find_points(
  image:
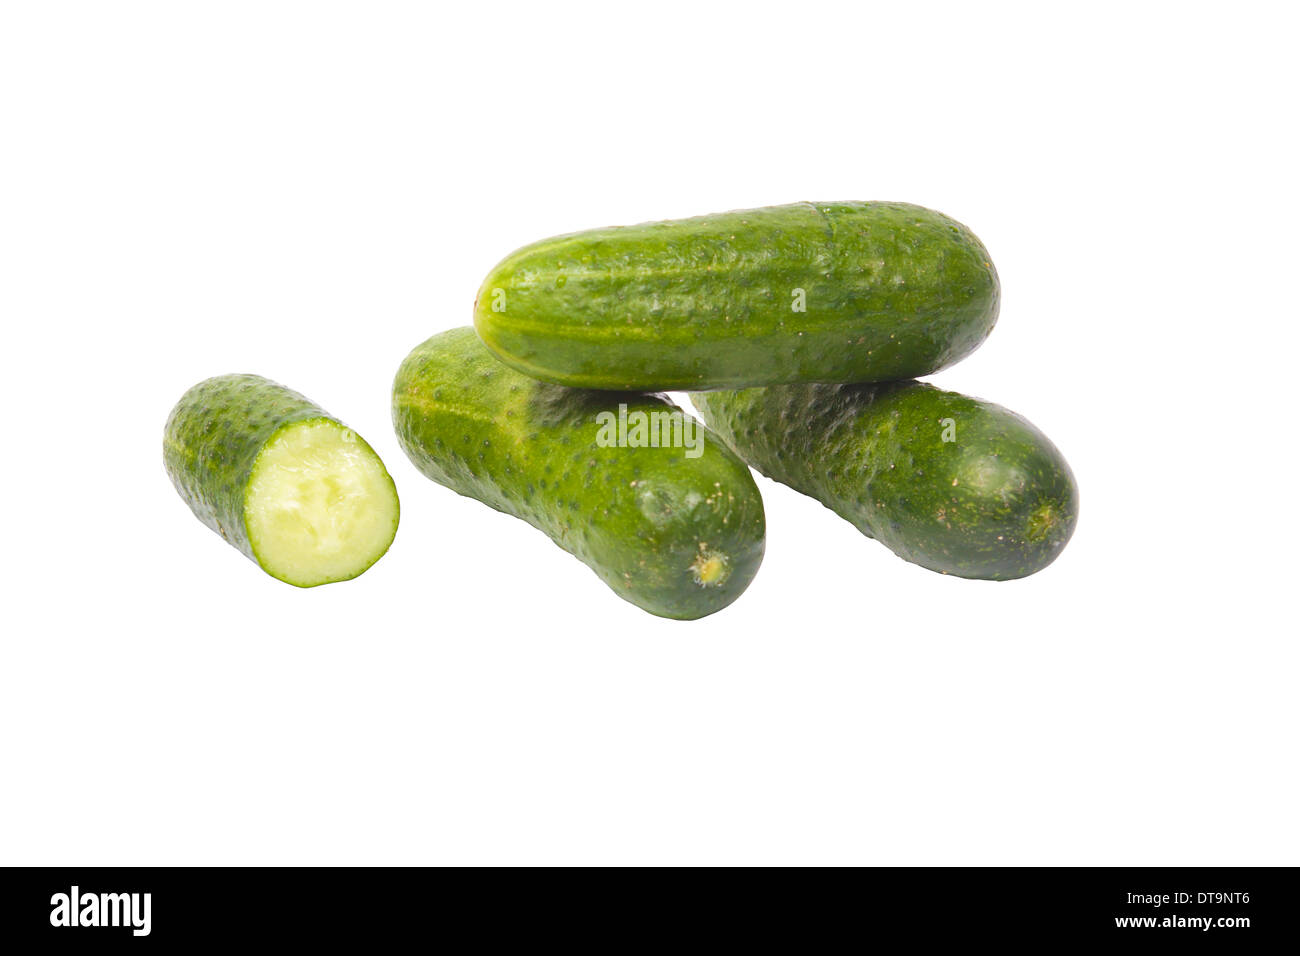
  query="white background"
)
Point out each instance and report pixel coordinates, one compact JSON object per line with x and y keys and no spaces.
{"x":307,"y":191}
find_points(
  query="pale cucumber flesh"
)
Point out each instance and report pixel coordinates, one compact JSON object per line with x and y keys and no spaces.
{"x":319,"y":506}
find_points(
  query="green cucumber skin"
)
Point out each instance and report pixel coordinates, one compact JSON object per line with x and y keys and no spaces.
{"x":639,"y":517}
{"x":998,"y":502}
{"x":891,"y":291}
{"x":213,"y":437}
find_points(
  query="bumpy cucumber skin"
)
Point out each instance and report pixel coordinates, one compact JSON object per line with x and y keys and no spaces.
{"x":641,"y":518}
{"x":890,"y":290}
{"x":212,"y":439}
{"x":998,"y":502}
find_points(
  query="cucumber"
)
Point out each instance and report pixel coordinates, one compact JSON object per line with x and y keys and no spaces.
{"x":677,"y":531}
{"x":952,"y":483}
{"x":284,"y":482}
{"x":811,"y":292}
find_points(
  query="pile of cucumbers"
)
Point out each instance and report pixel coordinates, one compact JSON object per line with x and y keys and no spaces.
{"x":798,"y":330}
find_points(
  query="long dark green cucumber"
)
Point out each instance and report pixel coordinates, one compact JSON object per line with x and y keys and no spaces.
{"x":811,"y":292}
{"x":280,"y":479}
{"x":678,"y":531}
{"x":952,"y":483}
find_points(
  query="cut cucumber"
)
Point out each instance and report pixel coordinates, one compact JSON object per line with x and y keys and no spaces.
{"x":319,"y":506}
{"x":292,"y":488}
